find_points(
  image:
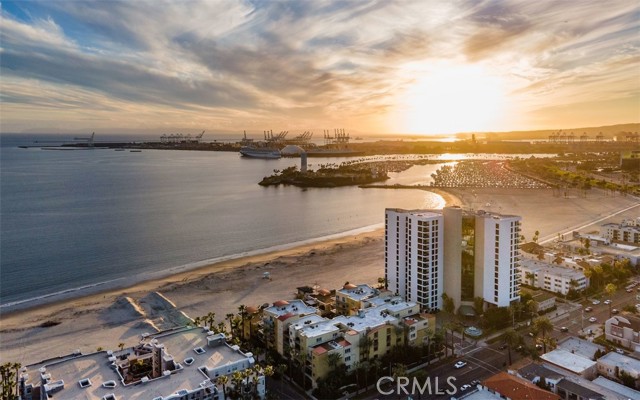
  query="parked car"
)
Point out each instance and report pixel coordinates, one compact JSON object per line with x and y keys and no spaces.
{"x":595,"y":302}
{"x":502,"y":346}
{"x":619,"y":351}
{"x":539,"y":346}
{"x":607,"y":302}
{"x":592,"y":319}
{"x":564,"y":329}
{"x":460,"y":364}
{"x":615,"y":311}
{"x":588,"y":309}
{"x":629,"y":290}
{"x":464,"y":387}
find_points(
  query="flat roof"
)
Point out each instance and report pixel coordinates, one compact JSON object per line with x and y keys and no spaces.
{"x":97,"y":368}
{"x":581,"y":347}
{"x":540,"y":266}
{"x":625,"y":363}
{"x":622,"y":390}
{"x":292,"y":307}
{"x":569,"y":361}
{"x":534,"y":370}
{"x":360,"y":292}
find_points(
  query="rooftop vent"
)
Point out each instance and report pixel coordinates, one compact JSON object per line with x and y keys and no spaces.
{"x":199,"y":350}
{"x":84,"y":383}
{"x":109,"y":384}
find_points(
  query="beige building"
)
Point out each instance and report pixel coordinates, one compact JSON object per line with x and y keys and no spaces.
{"x":624,"y":330}
{"x":351,"y":298}
{"x":278,"y":318}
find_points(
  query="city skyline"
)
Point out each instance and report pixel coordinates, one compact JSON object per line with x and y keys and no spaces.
{"x":380,"y":67}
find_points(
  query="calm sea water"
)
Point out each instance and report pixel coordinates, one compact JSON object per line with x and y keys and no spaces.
{"x":73,"y":219}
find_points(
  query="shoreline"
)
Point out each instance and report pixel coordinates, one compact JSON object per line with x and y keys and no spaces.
{"x":216,"y":264}
{"x":120,"y":315}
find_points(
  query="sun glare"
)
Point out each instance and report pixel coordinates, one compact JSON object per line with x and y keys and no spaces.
{"x":451,"y":99}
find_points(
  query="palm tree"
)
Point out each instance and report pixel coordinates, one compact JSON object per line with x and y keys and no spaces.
{"x":543,"y":325}
{"x":229,"y":318}
{"x":530,"y":276}
{"x":222,"y":381}
{"x":121,"y":346}
{"x":610,"y":289}
{"x":242,"y":309}
{"x":237,"y":378}
{"x":429,"y":333}
{"x":333,"y":359}
{"x":511,"y":338}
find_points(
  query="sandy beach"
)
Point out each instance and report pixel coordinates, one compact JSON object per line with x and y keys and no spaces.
{"x":120,"y":316}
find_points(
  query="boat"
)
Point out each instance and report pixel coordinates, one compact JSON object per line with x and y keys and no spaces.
{"x":260,"y":152}
{"x":135,"y":151}
{"x":119,"y":149}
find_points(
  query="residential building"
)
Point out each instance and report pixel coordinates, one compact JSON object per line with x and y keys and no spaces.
{"x":514,"y":388}
{"x":278,"y":317}
{"x":611,"y":365}
{"x":413,"y":256}
{"x":463,"y":254}
{"x":626,"y":232}
{"x":622,"y":392}
{"x":535,"y":373}
{"x":180,"y":364}
{"x":351,"y":298}
{"x":570,"y":390}
{"x":552,"y":278}
{"x":581,"y":347}
{"x":623,"y":330}
{"x":572,"y":363}
{"x":543,"y":301}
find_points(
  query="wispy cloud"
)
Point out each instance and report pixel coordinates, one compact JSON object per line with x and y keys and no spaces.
{"x":243,"y":64}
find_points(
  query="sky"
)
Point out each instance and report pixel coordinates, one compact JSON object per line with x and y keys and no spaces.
{"x":414,"y":66}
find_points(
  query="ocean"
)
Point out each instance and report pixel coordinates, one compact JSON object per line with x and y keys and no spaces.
{"x":82,"y":220}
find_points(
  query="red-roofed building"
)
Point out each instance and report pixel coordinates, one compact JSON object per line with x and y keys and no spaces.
{"x":514,"y":388}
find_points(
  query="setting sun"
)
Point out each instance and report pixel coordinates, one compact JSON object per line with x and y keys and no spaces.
{"x":453,"y":98}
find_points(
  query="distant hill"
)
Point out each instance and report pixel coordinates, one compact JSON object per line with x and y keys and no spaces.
{"x":608,"y":131}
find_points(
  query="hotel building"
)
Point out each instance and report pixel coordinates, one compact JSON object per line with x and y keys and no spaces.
{"x":460,"y":253}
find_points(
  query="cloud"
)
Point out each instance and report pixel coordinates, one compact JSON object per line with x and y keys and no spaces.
{"x":310,"y":61}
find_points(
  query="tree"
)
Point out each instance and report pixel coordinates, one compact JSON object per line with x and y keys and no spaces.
{"x":382,"y":283}
{"x":511,"y":338}
{"x":333,"y":359}
{"x":543,"y":326}
{"x":536,"y":236}
{"x":530,"y":275}
{"x":587,"y":245}
{"x":222,"y":381}
{"x":478,"y":305}
{"x":121,"y":346}
{"x":447,"y":304}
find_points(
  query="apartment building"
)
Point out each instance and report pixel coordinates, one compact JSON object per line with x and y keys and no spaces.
{"x":351,"y":298}
{"x":611,"y":365}
{"x":463,"y":254}
{"x":623,"y":330}
{"x":627,"y":232}
{"x":179,"y":364}
{"x":278,"y":318}
{"x":550,"y":277}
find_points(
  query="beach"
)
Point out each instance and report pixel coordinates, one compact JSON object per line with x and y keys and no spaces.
{"x":106,"y":319}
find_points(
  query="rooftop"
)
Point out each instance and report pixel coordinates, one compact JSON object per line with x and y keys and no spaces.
{"x":534,"y":370}
{"x":625,"y":363}
{"x":580,"y":347}
{"x":96,"y":369}
{"x":543,"y":267}
{"x":359,"y":292}
{"x":516,"y":388}
{"x":292,"y":307}
{"x":624,"y":391}
{"x":625,"y":321}
{"x":580,"y":390}
{"x":567,"y":360}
